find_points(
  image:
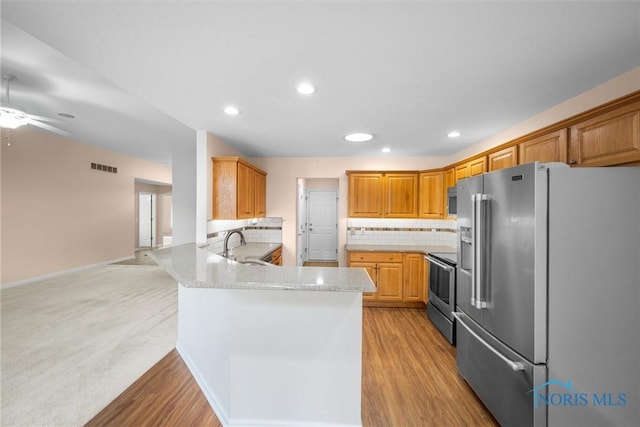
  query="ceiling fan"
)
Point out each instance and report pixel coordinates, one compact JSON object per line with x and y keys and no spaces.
{"x":12,"y":117}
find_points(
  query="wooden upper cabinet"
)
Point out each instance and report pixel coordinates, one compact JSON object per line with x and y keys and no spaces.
{"x":365,"y":195}
{"x":383,"y":194}
{"x":246,"y":190}
{"x":611,"y":138}
{"x":449,"y":178}
{"x":503,"y":159}
{"x":260,"y":200}
{"x":400,"y":195}
{"x":478,"y":166}
{"x":546,"y":148}
{"x":239,"y":189}
{"x":432,"y":191}
{"x":472,"y":168}
{"x":462,"y":172}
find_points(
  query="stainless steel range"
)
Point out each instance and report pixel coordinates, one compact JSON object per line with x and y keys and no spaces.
{"x":442,"y":292}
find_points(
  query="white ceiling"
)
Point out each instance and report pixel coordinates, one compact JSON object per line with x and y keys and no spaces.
{"x":142,"y":76}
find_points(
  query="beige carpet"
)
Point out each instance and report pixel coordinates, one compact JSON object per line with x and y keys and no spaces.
{"x":70,"y":345}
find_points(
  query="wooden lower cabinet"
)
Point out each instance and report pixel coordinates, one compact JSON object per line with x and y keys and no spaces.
{"x":389,"y":281}
{"x":413,"y":285}
{"x":276,"y":257}
{"x":398,"y":277}
{"x":425,"y":280}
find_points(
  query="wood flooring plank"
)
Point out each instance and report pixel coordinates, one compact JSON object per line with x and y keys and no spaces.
{"x":409,"y":378}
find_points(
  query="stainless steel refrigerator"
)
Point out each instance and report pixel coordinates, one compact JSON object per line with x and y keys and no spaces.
{"x":548,"y":301}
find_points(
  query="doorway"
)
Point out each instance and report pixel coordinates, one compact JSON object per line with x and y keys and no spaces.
{"x":322,"y":217}
{"x":317,"y":220}
{"x":146,"y":219}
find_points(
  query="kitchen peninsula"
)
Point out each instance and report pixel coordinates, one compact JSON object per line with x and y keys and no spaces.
{"x":270,"y":345}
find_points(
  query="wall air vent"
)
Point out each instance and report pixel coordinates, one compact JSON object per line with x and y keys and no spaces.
{"x":104,"y":168}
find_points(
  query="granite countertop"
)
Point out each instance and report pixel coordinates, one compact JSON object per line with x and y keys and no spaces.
{"x":425,"y":249}
{"x":196,"y":267}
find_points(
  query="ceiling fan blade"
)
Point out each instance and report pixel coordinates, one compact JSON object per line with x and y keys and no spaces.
{"x":49,"y":128}
{"x":45,"y":119}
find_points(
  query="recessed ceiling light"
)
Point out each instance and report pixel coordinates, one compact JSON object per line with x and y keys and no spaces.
{"x":453,"y":134}
{"x":386,"y":150}
{"x":231,"y":110}
{"x":306,"y":88}
{"x":358,"y":137}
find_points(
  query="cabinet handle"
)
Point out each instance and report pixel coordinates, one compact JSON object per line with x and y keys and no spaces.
{"x":573,"y":162}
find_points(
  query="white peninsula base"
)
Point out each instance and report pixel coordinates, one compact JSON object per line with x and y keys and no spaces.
{"x":274,"y":357}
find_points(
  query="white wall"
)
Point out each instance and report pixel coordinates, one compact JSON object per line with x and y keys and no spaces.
{"x":613,"y":89}
{"x":283,"y":172}
{"x":185,"y":184}
{"x":59,"y":214}
{"x":282,"y":175}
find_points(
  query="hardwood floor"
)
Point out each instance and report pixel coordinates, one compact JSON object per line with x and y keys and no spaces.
{"x":166,"y":395}
{"x":409,"y":379}
{"x":320,"y":264}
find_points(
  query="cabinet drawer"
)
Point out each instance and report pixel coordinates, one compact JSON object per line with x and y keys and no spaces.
{"x":375,"y":256}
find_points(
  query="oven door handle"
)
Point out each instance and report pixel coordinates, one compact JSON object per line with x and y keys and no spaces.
{"x":440,"y":264}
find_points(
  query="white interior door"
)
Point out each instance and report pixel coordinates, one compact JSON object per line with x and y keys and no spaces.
{"x":146,"y":220}
{"x":323,"y":225}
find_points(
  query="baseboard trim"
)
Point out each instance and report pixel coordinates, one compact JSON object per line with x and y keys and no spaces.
{"x":62,"y":273}
{"x":208,"y":393}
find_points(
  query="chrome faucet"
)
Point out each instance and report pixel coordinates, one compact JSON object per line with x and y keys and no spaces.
{"x":225,"y":251}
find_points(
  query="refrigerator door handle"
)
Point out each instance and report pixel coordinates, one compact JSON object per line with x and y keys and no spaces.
{"x":474,"y":252}
{"x":479,"y":202}
{"x":516,"y":366}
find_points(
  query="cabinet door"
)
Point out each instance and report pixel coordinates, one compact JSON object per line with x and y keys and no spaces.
{"x":546,"y":148}
{"x":609,"y":139}
{"x":401,"y":195}
{"x":224,"y":184}
{"x":260,"y":184}
{"x":432,"y":194}
{"x":478,"y":166}
{"x":462,"y":172}
{"x":449,"y":178}
{"x":365,"y":195}
{"x":413,"y":285}
{"x":371,"y":270}
{"x":425,"y":280}
{"x":246,"y":186}
{"x":503,"y":158}
{"x":389,"y":281}
{"x":276,"y":257}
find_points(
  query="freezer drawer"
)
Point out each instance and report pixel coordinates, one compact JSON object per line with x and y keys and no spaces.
{"x":501,"y":378}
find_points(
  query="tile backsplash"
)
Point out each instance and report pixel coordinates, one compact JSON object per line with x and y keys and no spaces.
{"x":256,"y":230}
{"x":373,"y":231}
